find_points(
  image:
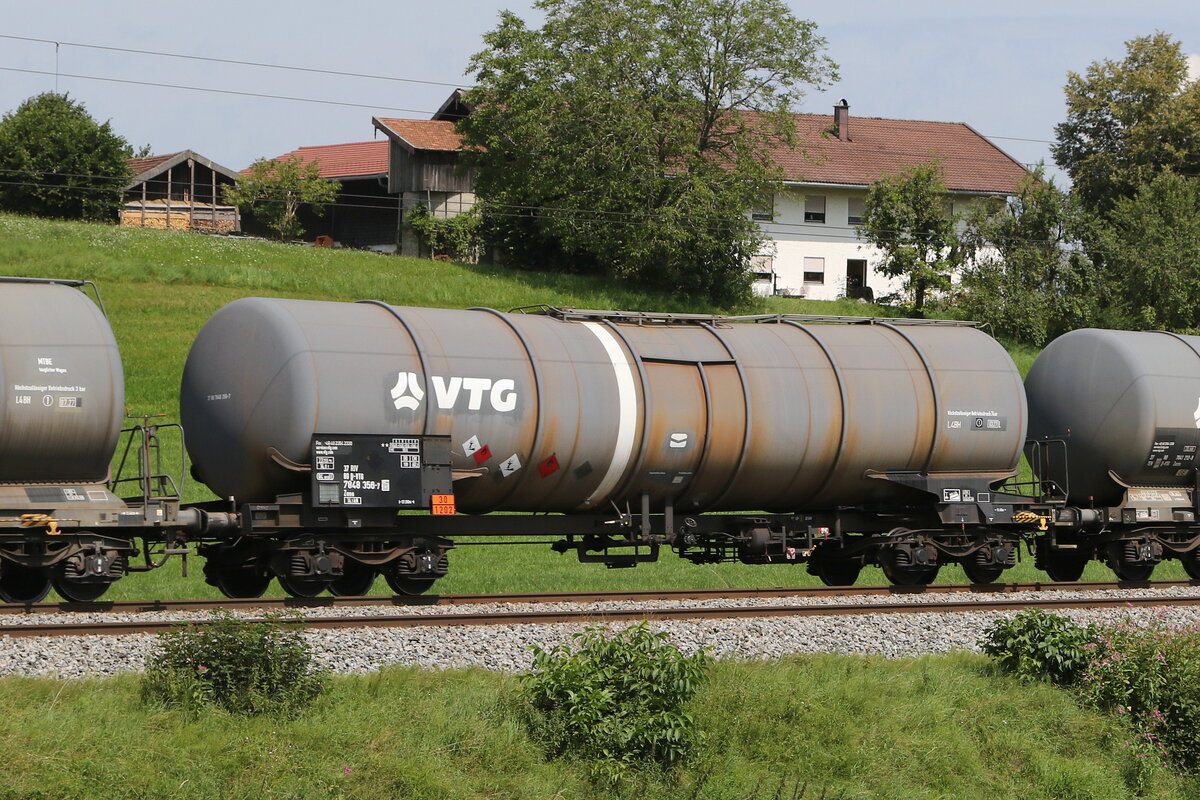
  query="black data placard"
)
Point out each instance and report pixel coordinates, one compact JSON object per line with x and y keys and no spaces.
{"x":368,"y":471}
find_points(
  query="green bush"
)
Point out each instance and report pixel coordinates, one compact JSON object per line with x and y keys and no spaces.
{"x":615,"y":701}
{"x":240,"y":666}
{"x":1151,"y":677}
{"x":1038,"y":645}
{"x":456,"y":238}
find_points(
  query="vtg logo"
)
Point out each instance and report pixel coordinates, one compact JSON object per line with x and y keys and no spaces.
{"x":409,"y":392}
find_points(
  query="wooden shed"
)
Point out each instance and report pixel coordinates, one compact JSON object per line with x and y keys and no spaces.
{"x":179,"y":191}
{"x":364,"y":215}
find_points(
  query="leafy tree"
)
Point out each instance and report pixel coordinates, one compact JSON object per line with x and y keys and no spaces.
{"x":56,"y":161}
{"x":633,"y":136}
{"x":1150,"y":250}
{"x":905,"y":216}
{"x":273,"y":190}
{"x":1129,"y":120}
{"x":1028,"y":278}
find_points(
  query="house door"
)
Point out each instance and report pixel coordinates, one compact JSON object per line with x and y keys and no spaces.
{"x":856,"y":278}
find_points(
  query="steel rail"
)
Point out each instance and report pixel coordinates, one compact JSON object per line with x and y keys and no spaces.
{"x":619,"y":615}
{"x":301,"y":603}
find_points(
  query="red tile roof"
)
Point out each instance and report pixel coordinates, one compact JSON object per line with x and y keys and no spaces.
{"x":344,"y":160}
{"x":876,"y":147}
{"x":423,"y":134}
{"x":147,"y":163}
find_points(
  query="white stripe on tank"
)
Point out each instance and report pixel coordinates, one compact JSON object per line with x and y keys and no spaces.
{"x":627,"y":403}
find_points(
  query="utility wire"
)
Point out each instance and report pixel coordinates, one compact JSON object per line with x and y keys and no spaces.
{"x":214,"y":91}
{"x":226,"y":61}
{"x":313,"y":70}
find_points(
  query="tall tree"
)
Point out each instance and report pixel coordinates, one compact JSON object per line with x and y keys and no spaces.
{"x":1151,"y":250}
{"x":1129,"y":120}
{"x":1027,"y":277}
{"x":56,"y":161}
{"x":907,"y":218}
{"x":632,"y":136}
{"x":274,"y":189}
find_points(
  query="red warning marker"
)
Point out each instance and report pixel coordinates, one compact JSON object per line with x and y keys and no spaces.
{"x":548,"y":467}
{"x":482,"y":454}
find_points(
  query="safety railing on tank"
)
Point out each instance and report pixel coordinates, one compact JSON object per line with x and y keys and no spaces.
{"x":667,"y":318}
{"x":75,"y":284}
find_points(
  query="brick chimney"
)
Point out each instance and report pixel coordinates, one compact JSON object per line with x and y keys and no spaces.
{"x":841,"y":119}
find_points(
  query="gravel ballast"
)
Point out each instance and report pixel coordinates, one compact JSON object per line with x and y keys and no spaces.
{"x":507,"y":647}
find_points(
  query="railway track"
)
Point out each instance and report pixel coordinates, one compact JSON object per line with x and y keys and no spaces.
{"x":1041,"y":595}
{"x":301,"y":603}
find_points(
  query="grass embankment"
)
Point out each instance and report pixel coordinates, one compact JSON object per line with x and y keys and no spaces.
{"x":160,"y":287}
{"x":832,"y":727}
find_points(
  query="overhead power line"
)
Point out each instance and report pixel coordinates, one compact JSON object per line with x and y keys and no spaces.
{"x":292,"y":68}
{"x":214,"y":91}
{"x":226,"y":61}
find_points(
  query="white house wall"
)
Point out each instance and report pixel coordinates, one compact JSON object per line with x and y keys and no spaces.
{"x":835,"y":242}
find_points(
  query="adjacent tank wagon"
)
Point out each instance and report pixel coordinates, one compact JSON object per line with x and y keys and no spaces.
{"x":1116,"y":418}
{"x":61,"y":412}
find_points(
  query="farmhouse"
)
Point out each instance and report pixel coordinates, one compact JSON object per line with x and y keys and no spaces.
{"x":813,"y":248}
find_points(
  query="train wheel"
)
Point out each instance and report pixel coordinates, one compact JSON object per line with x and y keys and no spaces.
{"x":837,"y":571}
{"x":1064,"y":567}
{"x":1132,"y":572}
{"x":80,"y":592}
{"x":1191,"y":564}
{"x":303,"y":587}
{"x":978,"y":573}
{"x":21,"y":584}
{"x":910,"y":576}
{"x":356,"y":580}
{"x":1132,"y":561}
{"x":241,"y":582}
{"x":404,"y":584}
{"x":908,"y":565}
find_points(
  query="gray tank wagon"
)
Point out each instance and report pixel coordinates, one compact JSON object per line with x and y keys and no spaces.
{"x":578,"y":413}
{"x":61,"y":410}
{"x":64,"y":391}
{"x":589,"y":412}
{"x":1116,"y":416}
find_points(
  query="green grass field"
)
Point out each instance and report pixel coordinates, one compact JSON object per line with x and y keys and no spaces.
{"x":830,"y":727}
{"x":160,"y":287}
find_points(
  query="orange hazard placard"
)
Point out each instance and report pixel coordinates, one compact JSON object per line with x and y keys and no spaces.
{"x":442,"y":504}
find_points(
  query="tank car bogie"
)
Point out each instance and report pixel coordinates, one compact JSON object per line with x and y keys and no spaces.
{"x":311,"y":563}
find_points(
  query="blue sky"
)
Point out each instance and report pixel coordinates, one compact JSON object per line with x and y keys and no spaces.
{"x":998,"y":67}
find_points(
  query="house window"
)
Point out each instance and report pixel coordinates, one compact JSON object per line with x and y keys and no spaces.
{"x":814,"y":208}
{"x":814,"y":270}
{"x":762,"y":268}
{"x":763,"y":262}
{"x":855,"y":206}
{"x":764,"y":211}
